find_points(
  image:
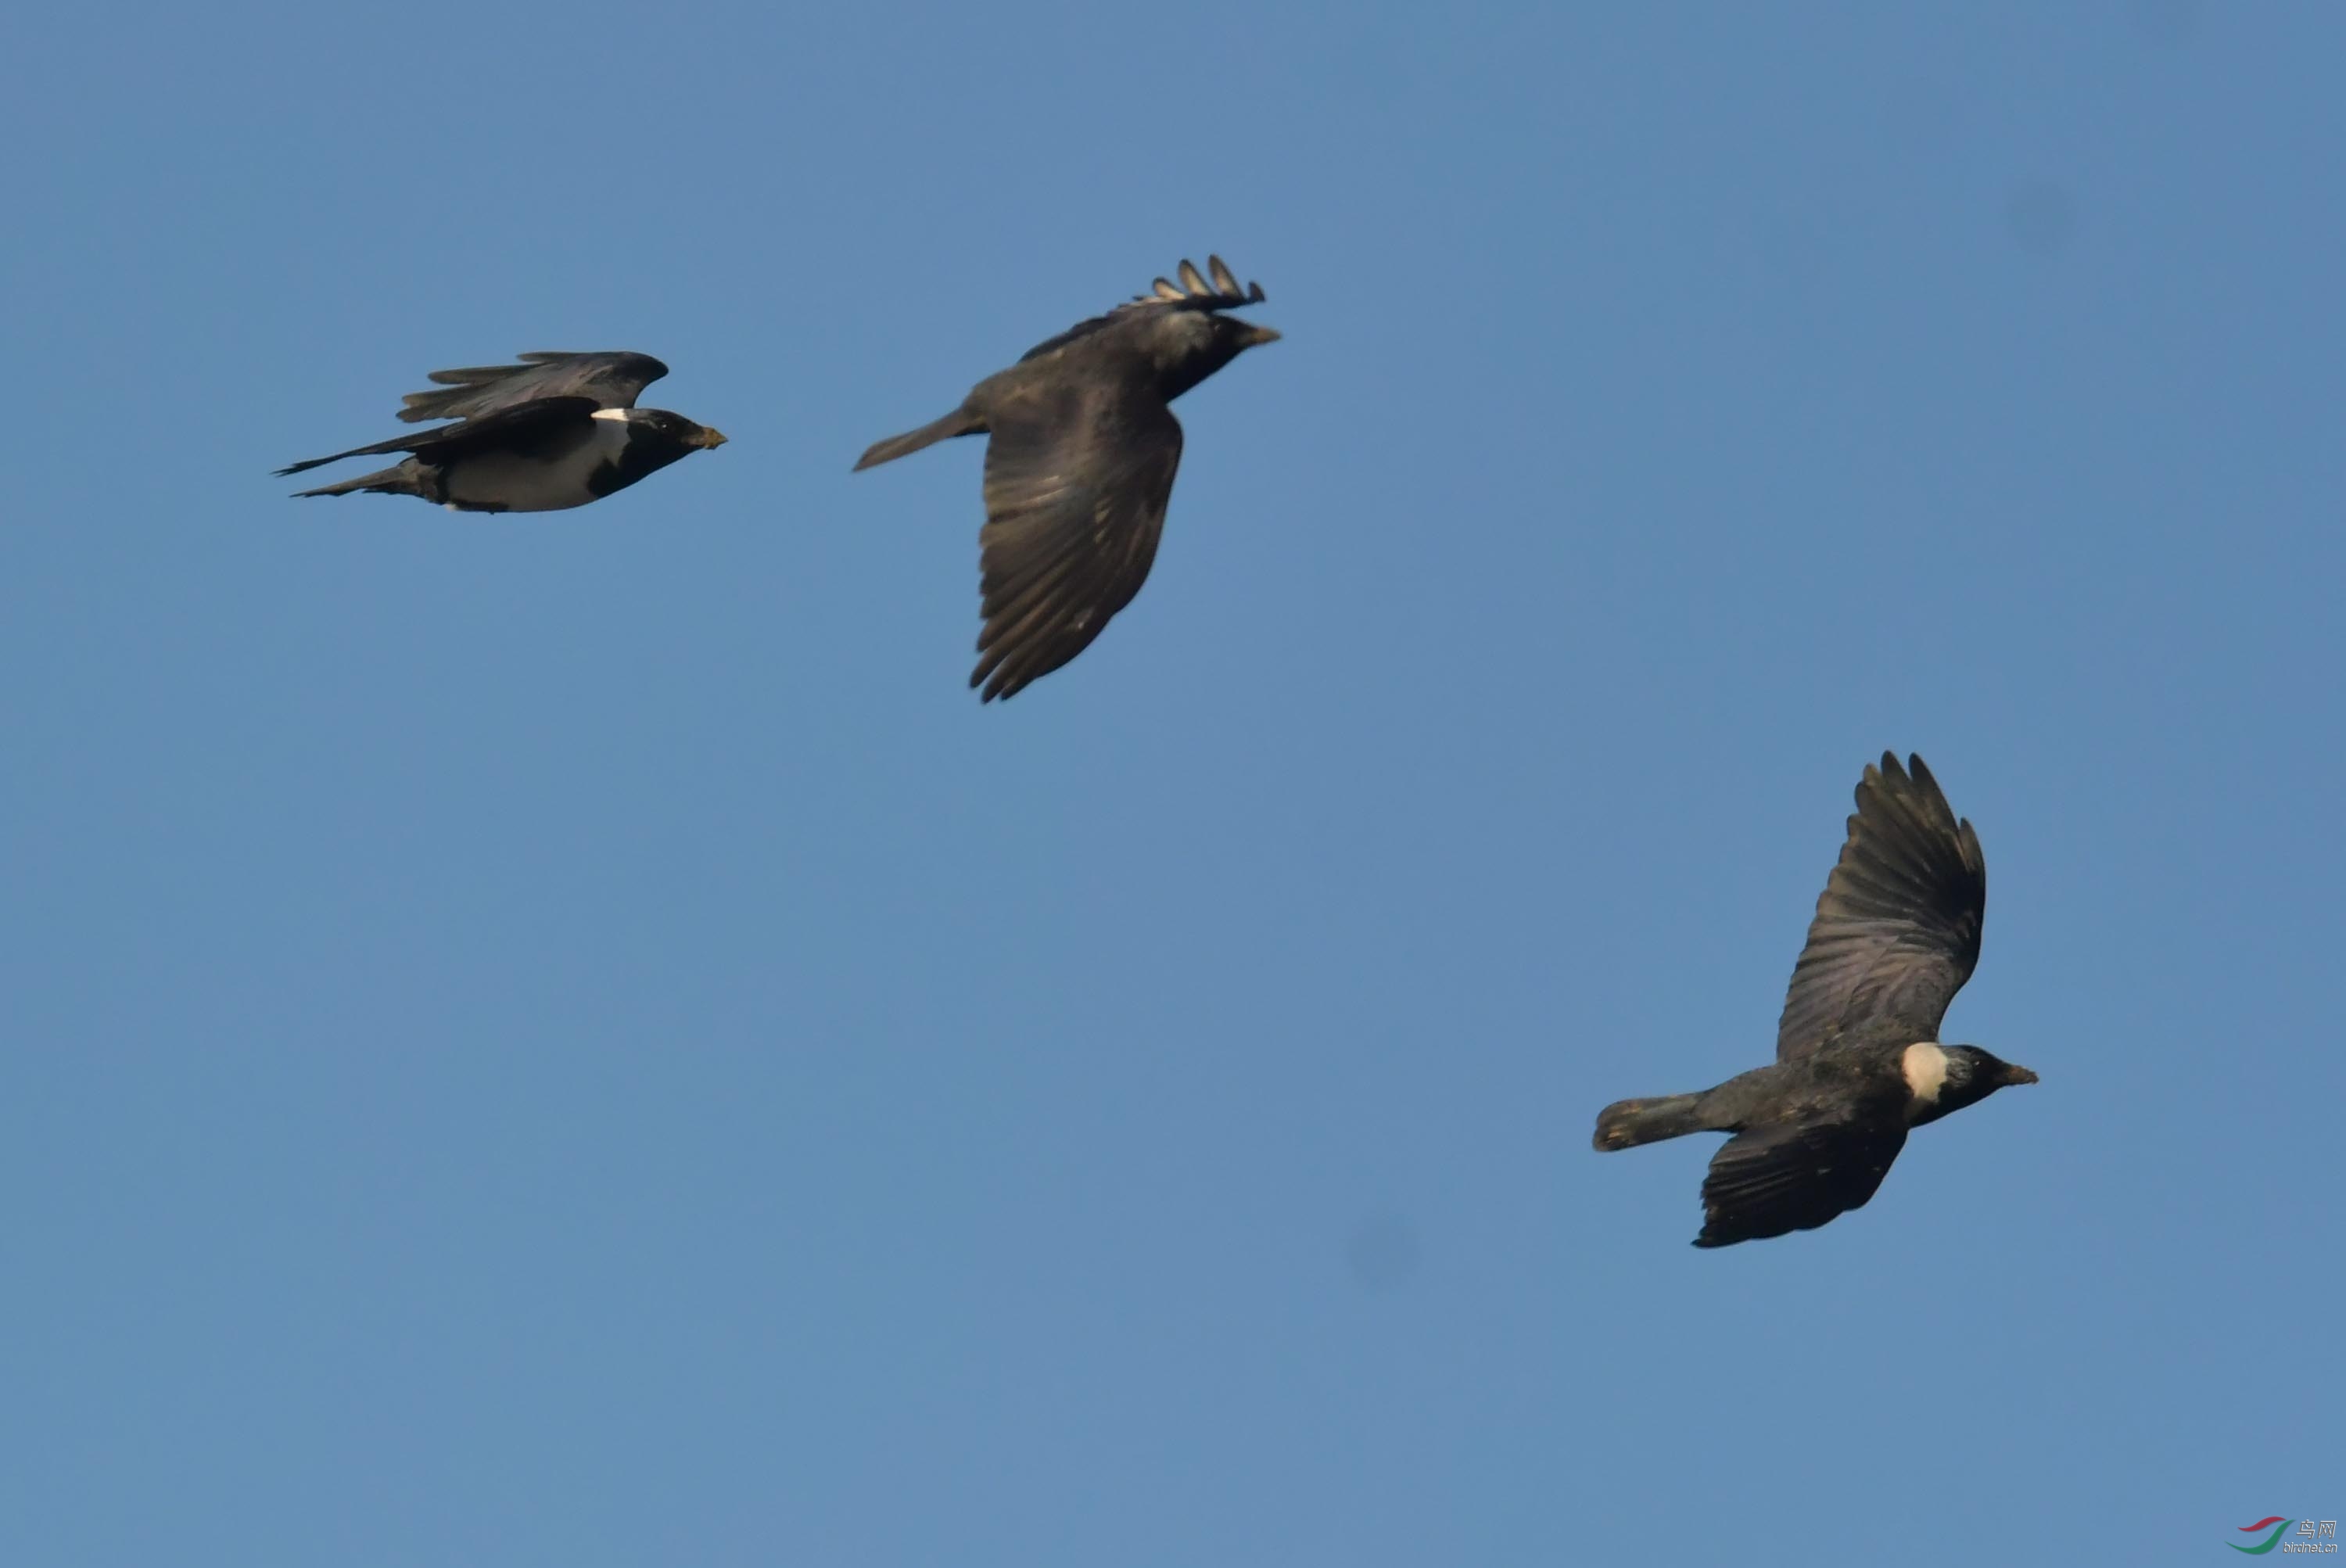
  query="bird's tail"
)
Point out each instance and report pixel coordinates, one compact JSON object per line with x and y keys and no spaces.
{"x":403,"y":480}
{"x":961,"y":421}
{"x":1625,"y":1123}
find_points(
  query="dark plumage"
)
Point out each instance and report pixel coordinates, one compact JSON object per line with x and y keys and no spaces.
{"x":1080,"y":466}
{"x":557,"y":431}
{"x":1858,"y":1062}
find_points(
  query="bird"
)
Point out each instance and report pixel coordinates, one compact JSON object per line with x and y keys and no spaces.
{"x":557,"y":431}
{"x":1079,"y":465}
{"x":1859,"y":1062}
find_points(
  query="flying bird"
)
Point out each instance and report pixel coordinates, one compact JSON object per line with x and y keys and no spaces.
{"x":555,"y":431}
{"x":1079,"y":466}
{"x":1858,"y":1057}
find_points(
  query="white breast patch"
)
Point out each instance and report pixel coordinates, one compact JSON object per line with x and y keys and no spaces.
{"x":1925,"y":1065}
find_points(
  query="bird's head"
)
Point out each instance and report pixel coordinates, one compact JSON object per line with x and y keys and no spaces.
{"x":672,"y":428}
{"x":1190,"y":333}
{"x":1970,"y":1075}
{"x":1190,"y":345}
{"x":655,"y":438}
{"x":1241,"y":334}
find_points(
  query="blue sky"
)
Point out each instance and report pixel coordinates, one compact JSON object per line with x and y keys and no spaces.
{"x":576,"y":1040}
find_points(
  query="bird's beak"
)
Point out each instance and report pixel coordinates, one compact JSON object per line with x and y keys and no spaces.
{"x":710,"y":439}
{"x":2013,"y":1075}
{"x":1258,"y":336}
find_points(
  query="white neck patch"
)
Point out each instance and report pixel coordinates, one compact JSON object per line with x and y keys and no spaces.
{"x":1925,"y":1065}
{"x":619,"y":414}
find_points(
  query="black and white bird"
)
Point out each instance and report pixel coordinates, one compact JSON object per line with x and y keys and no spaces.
{"x":555,"y":431}
{"x":1858,"y":1057}
{"x":1079,"y":468}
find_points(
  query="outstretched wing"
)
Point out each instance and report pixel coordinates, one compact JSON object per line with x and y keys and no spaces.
{"x":518,"y":428}
{"x":1897,"y":929}
{"x":1077,"y":478}
{"x":613,"y":379}
{"x":1770,"y":1180}
{"x":1193,"y":292}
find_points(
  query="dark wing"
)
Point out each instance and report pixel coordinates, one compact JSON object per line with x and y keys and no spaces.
{"x":518,"y":428}
{"x":613,"y":379}
{"x":1897,"y":929}
{"x":1773,"y":1179}
{"x":1077,"y":477}
{"x":1193,"y":293}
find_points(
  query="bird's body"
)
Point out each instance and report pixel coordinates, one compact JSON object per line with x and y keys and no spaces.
{"x":1858,"y":1061}
{"x":578,"y":465}
{"x":1079,"y":466}
{"x":556,"y":431}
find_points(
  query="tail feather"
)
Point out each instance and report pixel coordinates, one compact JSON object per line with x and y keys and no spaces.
{"x":961,"y":421}
{"x":403,"y":480}
{"x":1625,"y":1123}
{"x":396,"y":444}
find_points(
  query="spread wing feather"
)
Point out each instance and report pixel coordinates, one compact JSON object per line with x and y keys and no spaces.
{"x":1193,"y":292}
{"x":1897,"y":929}
{"x":613,"y":379}
{"x":1772,"y":1179}
{"x":1077,"y":480}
